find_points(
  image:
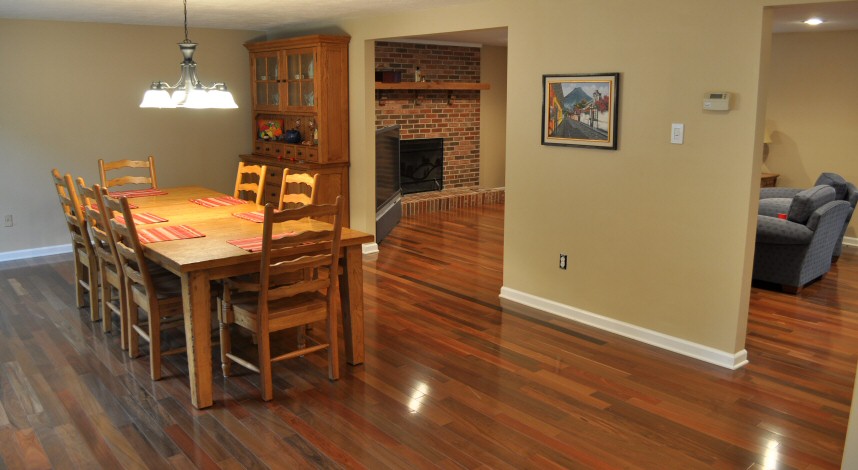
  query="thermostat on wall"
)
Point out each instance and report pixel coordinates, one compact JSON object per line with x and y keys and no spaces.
{"x":718,"y":101}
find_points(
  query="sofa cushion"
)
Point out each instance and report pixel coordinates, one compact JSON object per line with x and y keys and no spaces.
{"x":835,"y":181}
{"x":807,"y":201}
{"x":774,"y":206}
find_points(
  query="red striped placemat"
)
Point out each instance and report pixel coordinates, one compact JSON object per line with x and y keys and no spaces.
{"x":257,"y":216}
{"x":218,"y":201}
{"x":162,"y":234}
{"x":138,"y":193}
{"x":142,"y":218}
{"x":254,"y":244}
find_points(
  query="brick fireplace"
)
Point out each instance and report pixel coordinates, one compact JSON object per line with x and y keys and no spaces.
{"x":451,"y":116}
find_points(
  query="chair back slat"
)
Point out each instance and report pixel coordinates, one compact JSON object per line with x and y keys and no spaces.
{"x":149,"y":163}
{"x":300,"y":238}
{"x":297,"y":189}
{"x":250,"y":179}
{"x":300,"y":287}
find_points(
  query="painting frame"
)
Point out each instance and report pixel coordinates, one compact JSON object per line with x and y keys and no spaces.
{"x":581,"y":110}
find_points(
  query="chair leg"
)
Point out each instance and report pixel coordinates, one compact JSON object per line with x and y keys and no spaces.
{"x":124,"y":320}
{"x":92,"y":278}
{"x":154,"y":344}
{"x":225,"y":339}
{"x":791,"y":289}
{"x":106,"y":298}
{"x":302,"y":336}
{"x":333,"y":343}
{"x":80,"y":291}
{"x":133,"y":317}
{"x":264,"y":348}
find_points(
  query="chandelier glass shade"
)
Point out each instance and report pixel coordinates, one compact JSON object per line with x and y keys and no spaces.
{"x":189,"y":91}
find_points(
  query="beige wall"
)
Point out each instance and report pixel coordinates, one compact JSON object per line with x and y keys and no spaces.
{"x":658,"y":235}
{"x":493,"y":117}
{"x":70,"y":94}
{"x":812,"y":108}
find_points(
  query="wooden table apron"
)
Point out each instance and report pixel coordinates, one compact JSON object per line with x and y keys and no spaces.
{"x":200,"y":260}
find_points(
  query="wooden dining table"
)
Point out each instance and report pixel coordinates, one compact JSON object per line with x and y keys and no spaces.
{"x":197,"y":261}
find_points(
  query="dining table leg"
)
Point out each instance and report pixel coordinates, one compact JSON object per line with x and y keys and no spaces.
{"x":351,"y":296}
{"x":196,"y":298}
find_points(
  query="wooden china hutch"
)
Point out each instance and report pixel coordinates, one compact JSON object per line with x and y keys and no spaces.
{"x":301,"y":84}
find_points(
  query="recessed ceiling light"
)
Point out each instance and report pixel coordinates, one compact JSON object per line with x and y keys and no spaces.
{"x":813,"y":21}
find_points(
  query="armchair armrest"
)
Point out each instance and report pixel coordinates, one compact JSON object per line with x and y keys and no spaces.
{"x":776,"y":231}
{"x":767,"y":193}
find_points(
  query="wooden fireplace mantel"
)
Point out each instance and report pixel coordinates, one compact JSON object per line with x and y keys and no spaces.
{"x":417,"y":87}
{"x":432,"y":86}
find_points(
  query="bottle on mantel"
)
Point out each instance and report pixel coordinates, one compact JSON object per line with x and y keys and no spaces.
{"x":418,"y":76}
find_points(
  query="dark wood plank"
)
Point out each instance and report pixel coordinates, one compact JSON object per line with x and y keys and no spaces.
{"x":31,"y":449}
{"x":197,"y":455}
{"x":89,"y":432}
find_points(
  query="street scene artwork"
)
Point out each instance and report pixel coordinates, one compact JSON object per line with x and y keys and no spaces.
{"x":580,"y":110}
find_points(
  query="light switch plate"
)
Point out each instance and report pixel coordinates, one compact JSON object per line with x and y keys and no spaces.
{"x":677,"y":133}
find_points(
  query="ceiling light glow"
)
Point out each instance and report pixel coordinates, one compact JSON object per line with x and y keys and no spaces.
{"x":813,"y":21}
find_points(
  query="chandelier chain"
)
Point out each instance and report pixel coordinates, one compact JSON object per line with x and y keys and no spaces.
{"x":186,"y":22}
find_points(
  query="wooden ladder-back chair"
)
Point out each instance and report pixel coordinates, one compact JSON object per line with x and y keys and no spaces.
{"x":155,"y":291}
{"x":263,"y":305}
{"x":246,"y":182}
{"x":85,"y":261}
{"x":104,"y":167}
{"x":297,"y":189}
{"x":109,"y":266}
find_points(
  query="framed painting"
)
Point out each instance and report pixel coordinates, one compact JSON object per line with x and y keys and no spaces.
{"x":580,"y":110}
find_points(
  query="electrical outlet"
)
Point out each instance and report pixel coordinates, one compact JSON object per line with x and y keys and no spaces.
{"x":7,"y":221}
{"x":562,"y":261}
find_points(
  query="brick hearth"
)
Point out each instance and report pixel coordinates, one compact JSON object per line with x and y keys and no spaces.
{"x":449,"y":199}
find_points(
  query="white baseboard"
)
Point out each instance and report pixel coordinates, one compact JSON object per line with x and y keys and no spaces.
{"x":851,"y":241}
{"x":369,"y":248}
{"x":686,"y":348}
{"x":35,"y":252}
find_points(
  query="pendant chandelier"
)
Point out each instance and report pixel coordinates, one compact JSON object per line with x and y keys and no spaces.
{"x":189,"y":91}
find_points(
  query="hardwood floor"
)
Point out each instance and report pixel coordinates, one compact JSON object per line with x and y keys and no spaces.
{"x":451,"y":380}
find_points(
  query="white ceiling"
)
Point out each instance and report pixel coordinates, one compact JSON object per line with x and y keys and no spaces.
{"x":838,"y":16}
{"x":271,"y":15}
{"x":255,"y":15}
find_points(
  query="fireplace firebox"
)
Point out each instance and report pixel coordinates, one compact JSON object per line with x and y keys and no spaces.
{"x":421,"y":164}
